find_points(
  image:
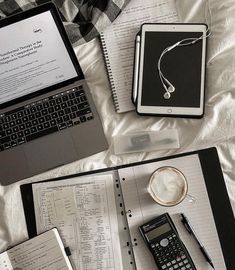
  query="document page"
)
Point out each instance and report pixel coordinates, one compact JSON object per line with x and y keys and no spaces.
{"x":142,"y":208}
{"x":119,"y":41}
{"x":41,"y":252}
{"x":84,"y":211}
{"x":32,"y":57}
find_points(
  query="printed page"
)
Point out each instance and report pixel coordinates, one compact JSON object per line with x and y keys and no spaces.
{"x":84,"y":211}
{"x":5,"y":263}
{"x":120,"y":38}
{"x":42,"y":252}
{"x":142,"y":208}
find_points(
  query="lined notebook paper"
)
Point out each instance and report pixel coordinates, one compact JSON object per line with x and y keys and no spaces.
{"x":142,"y":208}
{"x":118,"y":44}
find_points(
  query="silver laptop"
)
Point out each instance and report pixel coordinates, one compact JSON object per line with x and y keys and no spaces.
{"x":47,"y":116}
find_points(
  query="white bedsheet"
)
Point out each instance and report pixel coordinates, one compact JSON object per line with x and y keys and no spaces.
{"x":216,"y":128}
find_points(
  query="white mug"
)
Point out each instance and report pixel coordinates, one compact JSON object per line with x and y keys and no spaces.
{"x":168,"y":186}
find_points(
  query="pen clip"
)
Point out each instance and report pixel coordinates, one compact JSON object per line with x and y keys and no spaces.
{"x":185,"y":223}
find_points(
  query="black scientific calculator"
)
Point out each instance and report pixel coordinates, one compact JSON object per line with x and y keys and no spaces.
{"x":163,"y":240}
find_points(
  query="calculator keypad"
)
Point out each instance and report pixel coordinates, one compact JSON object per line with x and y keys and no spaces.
{"x":170,"y":254}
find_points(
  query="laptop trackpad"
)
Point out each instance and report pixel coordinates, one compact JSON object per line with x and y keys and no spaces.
{"x":50,"y":152}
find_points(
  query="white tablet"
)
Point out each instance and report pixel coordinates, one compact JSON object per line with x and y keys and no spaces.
{"x":182,"y":67}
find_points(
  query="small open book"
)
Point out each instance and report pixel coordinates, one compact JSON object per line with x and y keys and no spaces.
{"x":45,"y":251}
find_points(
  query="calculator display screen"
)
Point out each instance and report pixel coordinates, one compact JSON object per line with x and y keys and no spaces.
{"x":158,"y":231}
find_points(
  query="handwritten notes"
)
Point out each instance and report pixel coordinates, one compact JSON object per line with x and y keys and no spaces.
{"x":45,"y":252}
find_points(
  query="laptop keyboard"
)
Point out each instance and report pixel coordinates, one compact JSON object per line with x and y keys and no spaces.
{"x":44,"y":117}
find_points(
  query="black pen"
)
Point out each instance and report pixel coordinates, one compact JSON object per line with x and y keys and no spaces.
{"x":190,"y":229}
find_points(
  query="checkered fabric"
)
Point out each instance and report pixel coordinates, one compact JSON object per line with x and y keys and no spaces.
{"x":83,"y":19}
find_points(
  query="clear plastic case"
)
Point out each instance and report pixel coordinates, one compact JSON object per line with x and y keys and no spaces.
{"x":146,"y":141}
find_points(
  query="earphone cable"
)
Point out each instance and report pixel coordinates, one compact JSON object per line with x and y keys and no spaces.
{"x":185,"y":42}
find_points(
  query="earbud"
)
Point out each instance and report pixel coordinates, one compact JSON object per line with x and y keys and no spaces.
{"x":168,"y":92}
{"x":169,"y":89}
{"x":167,"y":95}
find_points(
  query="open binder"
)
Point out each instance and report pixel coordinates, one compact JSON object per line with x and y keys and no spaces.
{"x":211,"y":215}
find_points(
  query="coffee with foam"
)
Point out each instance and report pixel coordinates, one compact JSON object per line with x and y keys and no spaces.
{"x":168,"y":186}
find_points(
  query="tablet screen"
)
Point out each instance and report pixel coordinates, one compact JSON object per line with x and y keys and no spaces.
{"x":181,"y":66}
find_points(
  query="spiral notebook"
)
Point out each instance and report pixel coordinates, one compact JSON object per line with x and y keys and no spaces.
{"x":98,"y":213}
{"x":117,"y":42}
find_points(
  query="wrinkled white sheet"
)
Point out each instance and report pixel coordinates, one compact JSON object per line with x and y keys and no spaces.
{"x":217,"y":128}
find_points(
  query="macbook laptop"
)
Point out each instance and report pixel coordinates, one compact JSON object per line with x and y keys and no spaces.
{"x":47,"y":116}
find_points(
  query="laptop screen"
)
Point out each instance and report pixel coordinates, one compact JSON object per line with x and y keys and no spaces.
{"x":33,"y":56}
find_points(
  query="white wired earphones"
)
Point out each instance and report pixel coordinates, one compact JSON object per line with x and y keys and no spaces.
{"x":168,"y":86}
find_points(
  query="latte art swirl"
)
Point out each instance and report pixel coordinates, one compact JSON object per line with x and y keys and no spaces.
{"x":167,"y":186}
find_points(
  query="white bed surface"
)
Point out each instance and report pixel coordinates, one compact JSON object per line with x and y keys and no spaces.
{"x":216,"y":128}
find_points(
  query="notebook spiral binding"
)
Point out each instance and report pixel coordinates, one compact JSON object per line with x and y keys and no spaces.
{"x":110,"y":75}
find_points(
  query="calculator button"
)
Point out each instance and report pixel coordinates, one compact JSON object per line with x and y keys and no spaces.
{"x":180,"y":264}
{"x":183,"y":268}
{"x":164,"y":242}
{"x":164,"y":266}
{"x":174,"y":261}
{"x":176,"y":266}
{"x":171,"y":268}
{"x":188,"y":266}
{"x":185,"y":261}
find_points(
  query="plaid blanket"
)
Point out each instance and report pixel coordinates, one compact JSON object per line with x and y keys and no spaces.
{"x":83,"y":19}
